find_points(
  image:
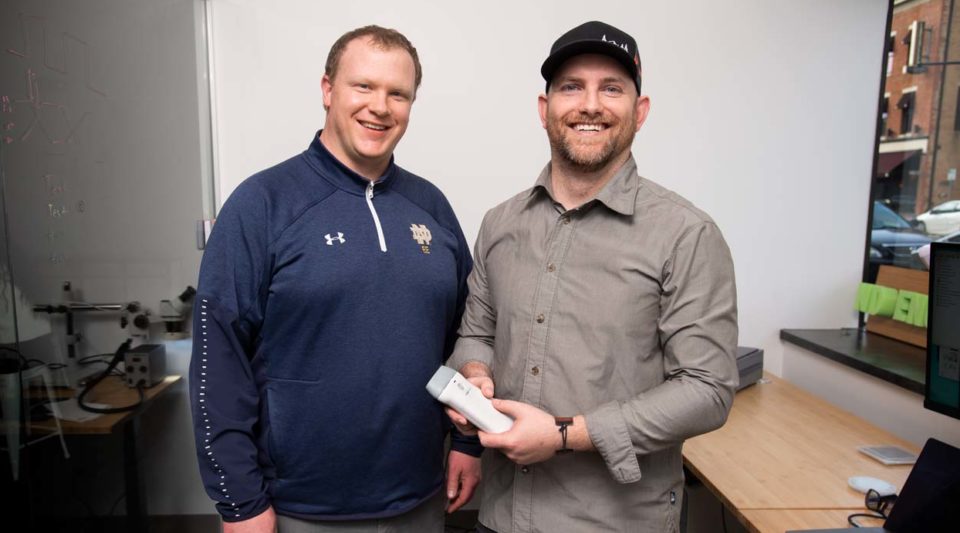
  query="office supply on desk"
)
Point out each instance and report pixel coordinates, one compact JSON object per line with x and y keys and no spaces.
{"x":927,"y":503}
{"x":942,"y":387}
{"x":749,"y":365}
{"x":865,"y":484}
{"x":889,"y":455}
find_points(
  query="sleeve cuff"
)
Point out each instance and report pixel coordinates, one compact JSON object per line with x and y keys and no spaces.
{"x":238,"y":512}
{"x":469,"y":445}
{"x":470,"y":350}
{"x":608,"y":431}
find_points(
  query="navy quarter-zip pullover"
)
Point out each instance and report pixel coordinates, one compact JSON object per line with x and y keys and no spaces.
{"x":325,"y":304}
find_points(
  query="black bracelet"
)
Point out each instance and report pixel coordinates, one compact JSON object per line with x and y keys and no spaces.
{"x":563,"y":422}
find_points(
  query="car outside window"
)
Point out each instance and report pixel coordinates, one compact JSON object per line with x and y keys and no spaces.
{"x":884,"y":218}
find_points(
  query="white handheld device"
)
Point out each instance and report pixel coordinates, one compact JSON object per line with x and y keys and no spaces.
{"x":451,"y":388}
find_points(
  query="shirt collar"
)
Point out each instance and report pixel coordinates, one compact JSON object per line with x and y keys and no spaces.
{"x":619,"y":194}
{"x":338,"y":174}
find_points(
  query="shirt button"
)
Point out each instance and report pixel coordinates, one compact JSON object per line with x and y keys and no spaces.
{"x":551,"y":267}
{"x":525,"y":469}
{"x":540,"y":318}
{"x":565,"y":220}
{"x":535,"y":371}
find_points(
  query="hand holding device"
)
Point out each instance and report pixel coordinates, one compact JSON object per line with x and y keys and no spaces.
{"x":451,"y":388}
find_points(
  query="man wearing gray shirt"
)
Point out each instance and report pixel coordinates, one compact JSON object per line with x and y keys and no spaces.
{"x":603,"y":308}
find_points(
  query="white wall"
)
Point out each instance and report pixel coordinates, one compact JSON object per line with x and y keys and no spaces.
{"x":893,"y":408}
{"x":762,"y":114}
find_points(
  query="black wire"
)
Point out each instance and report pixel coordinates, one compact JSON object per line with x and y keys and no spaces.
{"x":852,"y":522}
{"x":9,"y":349}
{"x":90,"y":359}
{"x":115,"y":372}
{"x":117,"y":358}
{"x":18,"y":353}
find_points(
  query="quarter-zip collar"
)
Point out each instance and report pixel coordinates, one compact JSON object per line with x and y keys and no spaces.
{"x":339,"y":175}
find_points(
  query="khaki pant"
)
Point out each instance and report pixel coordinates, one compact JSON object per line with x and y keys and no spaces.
{"x":428,"y":517}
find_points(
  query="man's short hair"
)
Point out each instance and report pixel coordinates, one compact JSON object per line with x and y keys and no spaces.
{"x":385,"y":38}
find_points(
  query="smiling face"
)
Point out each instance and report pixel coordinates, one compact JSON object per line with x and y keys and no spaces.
{"x":368,"y":105}
{"x":592,"y":113}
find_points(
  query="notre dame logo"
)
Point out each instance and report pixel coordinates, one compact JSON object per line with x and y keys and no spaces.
{"x":422,"y":235}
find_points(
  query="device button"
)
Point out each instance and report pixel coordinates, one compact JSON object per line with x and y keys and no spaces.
{"x":535,"y":371}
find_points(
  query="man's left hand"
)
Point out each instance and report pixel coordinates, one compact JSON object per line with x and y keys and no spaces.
{"x":463,"y":476}
{"x":533,"y":438}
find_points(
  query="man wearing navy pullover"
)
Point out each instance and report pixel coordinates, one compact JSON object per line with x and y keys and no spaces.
{"x":330,"y":291}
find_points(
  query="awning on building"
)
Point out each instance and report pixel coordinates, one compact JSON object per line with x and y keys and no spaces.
{"x":890,"y":160}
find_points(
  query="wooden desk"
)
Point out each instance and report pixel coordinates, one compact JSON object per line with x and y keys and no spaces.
{"x":114,"y":392}
{"x":781,"y":520}
{"x":783,"y":449}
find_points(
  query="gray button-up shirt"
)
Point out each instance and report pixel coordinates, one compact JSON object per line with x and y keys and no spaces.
{"x":623,"y":310}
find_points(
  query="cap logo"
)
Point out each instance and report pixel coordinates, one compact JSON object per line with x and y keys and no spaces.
{"x":625,"y":46}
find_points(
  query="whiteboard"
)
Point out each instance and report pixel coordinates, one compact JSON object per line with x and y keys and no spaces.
{"x":103,"y":153}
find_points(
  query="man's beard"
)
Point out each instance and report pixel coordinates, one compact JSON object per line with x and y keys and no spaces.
{"x":588,"y":160}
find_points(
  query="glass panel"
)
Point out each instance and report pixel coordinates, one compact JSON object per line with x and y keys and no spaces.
{"x":104,"y":146}
{"x":919,"y":129}
{"x":8,"y":325}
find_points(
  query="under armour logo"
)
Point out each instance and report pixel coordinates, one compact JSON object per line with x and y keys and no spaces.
{"x":422,"y":235}
{"x":338,"y":238}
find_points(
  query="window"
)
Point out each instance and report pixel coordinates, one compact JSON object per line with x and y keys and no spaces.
{"x":956,"y":112}
{"x":891,"y":48}
{"x":915,"y":44}
{"x":915,"y":198}
{"x":885,"y":114}
{"x":906,"y":105}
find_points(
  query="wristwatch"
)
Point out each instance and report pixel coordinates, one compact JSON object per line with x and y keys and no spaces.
{"x":563,"y":422}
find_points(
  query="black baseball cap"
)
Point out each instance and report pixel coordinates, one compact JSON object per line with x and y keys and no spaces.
{"x":594,"y":38}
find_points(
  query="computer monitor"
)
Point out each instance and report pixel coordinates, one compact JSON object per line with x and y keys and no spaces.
{"x":942,"y":389}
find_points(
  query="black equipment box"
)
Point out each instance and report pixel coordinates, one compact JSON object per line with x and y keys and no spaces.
{"x":145,"y":365}
{"x":750,"y":365}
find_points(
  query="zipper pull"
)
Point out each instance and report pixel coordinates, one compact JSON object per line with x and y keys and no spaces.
{"x":370,"y":191}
